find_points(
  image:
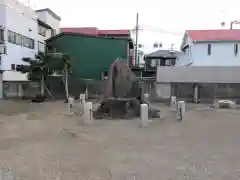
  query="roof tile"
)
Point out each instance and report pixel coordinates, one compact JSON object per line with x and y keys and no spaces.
{"x":95,"y":31}
{"x":214,"y":35}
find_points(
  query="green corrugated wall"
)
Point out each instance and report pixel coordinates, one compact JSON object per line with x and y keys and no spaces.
{"x":90,"y":55}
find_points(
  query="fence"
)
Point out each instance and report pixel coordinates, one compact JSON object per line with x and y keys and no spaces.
{"x":76,"y":87}
{"x":207,"y":92}
{"x":20,"y":89}
{"x":96,"y":89}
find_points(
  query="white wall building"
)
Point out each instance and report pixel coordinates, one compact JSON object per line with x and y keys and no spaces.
{"x":48,"y":26}
{"x":22,"y":34}
{"x":218,"y":47}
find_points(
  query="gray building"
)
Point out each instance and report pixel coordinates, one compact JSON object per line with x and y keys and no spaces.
{"x":161,"y":58}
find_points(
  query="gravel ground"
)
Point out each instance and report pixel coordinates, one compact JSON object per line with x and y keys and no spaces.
{"x":41,"y":142}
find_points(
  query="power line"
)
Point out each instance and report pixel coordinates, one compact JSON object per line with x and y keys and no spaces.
{"x":162,"y":31}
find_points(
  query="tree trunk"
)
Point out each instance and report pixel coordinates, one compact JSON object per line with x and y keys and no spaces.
{"x":42,"y":85}
{"x":66,"y":83}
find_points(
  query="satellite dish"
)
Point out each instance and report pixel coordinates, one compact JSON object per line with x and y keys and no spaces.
{"x":223,"y":24}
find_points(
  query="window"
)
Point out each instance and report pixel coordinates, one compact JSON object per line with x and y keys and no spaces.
{"x":209,"y":49}
{"x":41,"y":46}
{"x":18,"y":39}
{"x":42,"y":30}
{"x":11,"y":37}
{"x":155,"y":45}
{"x":1,"y":36}
{"x":54,"y":32}
{"x":28,"y":42}
{"x":168,"y":62}
{"x":153,"y":63}
{"x":235,"y":49}
{"x":13,"y":67}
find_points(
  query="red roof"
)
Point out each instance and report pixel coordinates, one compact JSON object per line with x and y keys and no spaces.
{"x":83,"y":30}
{"x":95,"y":31}
{"x":119,"y":32}
{"x":214,"y":35}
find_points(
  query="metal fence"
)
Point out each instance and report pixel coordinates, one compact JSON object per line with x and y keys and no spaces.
{"x":55,"y":86}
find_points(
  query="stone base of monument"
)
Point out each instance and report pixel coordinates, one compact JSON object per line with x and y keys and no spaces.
{"x":225,"y":104}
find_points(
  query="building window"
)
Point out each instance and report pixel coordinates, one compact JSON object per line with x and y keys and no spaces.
{"x":18,"y":38}
{"x":235,"y":49}
{"x":54,"y":32}
{"x":209,"y":49}
{"x":168,"y":62}
{"x":41,"y":46}
{"x":42,"y":30}
{"x":11,"y":37}
{"x":153,"y":63}
{"x":28,"y":42}
{"x":13,"y":67}
{"x":1,"y":36}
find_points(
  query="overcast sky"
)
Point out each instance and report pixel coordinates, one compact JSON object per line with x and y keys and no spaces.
{"x":171,"y":15}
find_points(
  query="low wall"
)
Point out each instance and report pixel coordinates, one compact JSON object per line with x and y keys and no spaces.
{"x":198,"y":74}
{"x":20,"y":89}
{"x":207,"y":92}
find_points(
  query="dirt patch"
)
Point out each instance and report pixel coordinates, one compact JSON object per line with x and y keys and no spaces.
{"x":51,"y":145}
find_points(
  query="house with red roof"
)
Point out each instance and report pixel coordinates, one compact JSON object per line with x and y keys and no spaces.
{"x":218,"y":47}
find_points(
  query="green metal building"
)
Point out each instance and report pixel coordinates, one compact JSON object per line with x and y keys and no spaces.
{"x":91,"y":55}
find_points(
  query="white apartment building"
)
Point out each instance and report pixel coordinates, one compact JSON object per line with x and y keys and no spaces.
{"x":23,"y":32}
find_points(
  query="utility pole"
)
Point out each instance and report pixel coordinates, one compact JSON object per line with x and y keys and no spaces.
{"x":136,"y":42}
{"x":231,"y":25}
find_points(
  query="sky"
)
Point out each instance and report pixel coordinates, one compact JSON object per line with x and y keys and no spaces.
{"x":158,"y":19}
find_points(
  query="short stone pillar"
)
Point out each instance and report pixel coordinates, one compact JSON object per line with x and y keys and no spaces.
{"x":86,"y":92}
{"x":196,"y":94}
{"x":146,"y":96}
{"x":181,"y":110}
{"x":144,"y":115}
{"x":173,"y":102}
{"x":88,"y":113}
{"x":82,"y":99}
{"x":70,"y":105}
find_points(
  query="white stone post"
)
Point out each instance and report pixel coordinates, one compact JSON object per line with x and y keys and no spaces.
{"x":1,"y":89}
{"x":181,"y":110}
{"x":1,"y":84}
{"x":70,"y":105}
{"x":195,"y":95}
{"x":144,"y":115}
{"x":145,"y":97}
{"x":82,"y":99}
{"x":88,"y":117}
{"x":86,"y":92}
{"x":20,"y":90}
{"x":173,"y":101}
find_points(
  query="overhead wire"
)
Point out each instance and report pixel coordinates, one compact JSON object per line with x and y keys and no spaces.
{"x":161,"y":31}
